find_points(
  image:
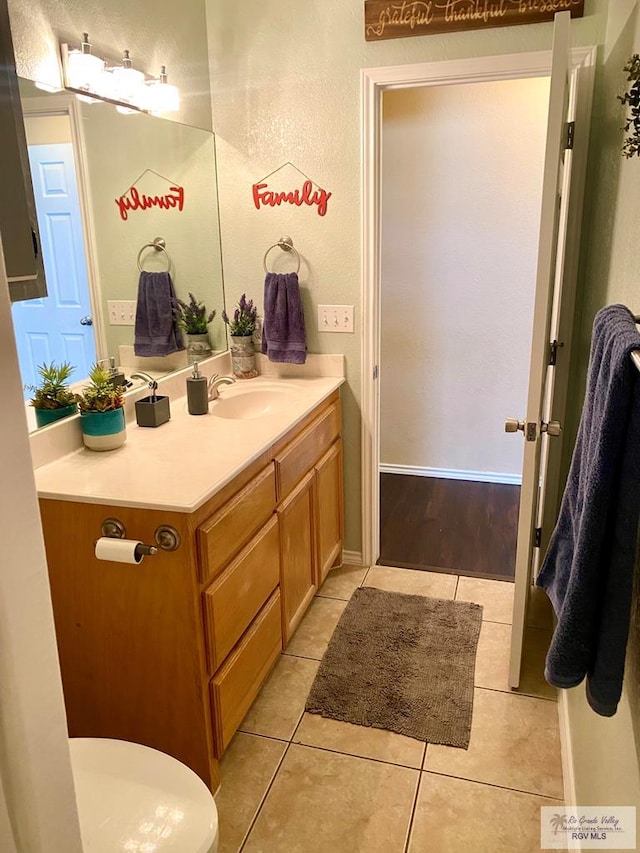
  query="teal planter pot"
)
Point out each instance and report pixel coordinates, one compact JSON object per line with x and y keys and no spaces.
{"x":103,"y":430}
{"x":48,"y":416}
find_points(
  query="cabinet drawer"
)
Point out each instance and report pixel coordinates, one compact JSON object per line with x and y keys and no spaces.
{"x":236,"y":595}
{"x":236,"y":684}
{"x":222,"y":535}
{"x":305,"y":450}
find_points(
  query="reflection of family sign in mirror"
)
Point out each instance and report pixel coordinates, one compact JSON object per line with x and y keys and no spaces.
{"x":84,"y":157}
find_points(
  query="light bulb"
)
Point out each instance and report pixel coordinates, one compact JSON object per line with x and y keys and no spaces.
{"x":162,"y":97}
{"x":83,"y":68}
{"x":128,"y":83}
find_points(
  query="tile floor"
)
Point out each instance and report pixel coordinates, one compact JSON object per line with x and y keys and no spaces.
{"x":297,"y":783}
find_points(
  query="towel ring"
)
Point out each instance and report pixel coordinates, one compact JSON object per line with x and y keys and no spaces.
{"x":286,"y":244}
{"x":159,"y":245}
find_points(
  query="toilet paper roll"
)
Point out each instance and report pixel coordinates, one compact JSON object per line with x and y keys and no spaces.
{"x":118,"y":550}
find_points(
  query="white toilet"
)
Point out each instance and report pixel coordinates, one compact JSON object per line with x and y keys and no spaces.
{"x":134,"y":799}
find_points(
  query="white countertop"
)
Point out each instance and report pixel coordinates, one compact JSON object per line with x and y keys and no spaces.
{"x":181,"y":464}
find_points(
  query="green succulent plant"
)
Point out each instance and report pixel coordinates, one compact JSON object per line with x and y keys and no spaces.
{"x":101,"y":395}
{"x":53,"y":392}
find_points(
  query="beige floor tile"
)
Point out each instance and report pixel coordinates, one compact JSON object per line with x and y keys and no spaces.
{"x":454,"y":815}
{"x":323,"y":802}
{"x":241,"y":792}
{"x":492,"y":658}
{"x":496,"y":597}
{"x":412,"y":582}
{"x":540,"y":613}
{"x":364,"y":741}
{"x":341,"y":583}
{"x":492,"y":661}
{"x":314,"y":631}
{"x":515,"y":743}
{"x":280,"y":704}
{"x":534,"y":653}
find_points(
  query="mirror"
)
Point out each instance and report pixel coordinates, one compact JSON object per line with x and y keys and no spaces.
{"x":107,"y":184}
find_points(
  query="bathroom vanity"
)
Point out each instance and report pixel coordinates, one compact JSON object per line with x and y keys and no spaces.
{"x":171,"y":653}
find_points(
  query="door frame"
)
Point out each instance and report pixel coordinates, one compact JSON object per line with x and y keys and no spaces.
{"x":64,"y":104}
{"x":374,"y":82}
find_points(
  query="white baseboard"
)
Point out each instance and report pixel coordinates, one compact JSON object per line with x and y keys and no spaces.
{"x":453,"y":474}
{"x":353,"y":558}
{"x":566,"y":750}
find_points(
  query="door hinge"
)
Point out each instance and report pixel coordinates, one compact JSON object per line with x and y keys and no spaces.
{"x":570,"y":135}
{"x":375,"y":372}
{"x":538,"y":537}
{"x":554,"y":346}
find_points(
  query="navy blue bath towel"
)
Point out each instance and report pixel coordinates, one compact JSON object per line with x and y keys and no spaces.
{"x":156,"y":330}
{"x":283,"y":333}
{"x":588,"y":570}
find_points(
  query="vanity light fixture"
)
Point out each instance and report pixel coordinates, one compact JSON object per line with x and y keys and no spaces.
{"x":83,"y":70}
{"x":129,"y":89}
{"x":162,"y":96}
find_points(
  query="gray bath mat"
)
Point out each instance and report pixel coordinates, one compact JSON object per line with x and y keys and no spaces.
{"x":403,"y":663}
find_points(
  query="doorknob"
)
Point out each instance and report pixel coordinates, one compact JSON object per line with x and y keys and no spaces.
{"x":552,"y":428}
{"x":513,"y":425}
{"x":86,"y":321}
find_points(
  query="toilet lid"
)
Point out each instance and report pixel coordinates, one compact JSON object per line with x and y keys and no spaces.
{"x":134,"y":799}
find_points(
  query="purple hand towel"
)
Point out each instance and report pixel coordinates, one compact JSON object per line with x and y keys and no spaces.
{"x":588,"y":570}
{"x":283,"y":333}
{"x":156,"y":330}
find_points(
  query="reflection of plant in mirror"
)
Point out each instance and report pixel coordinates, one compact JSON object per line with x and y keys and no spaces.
{"x":53,"y":391}
{"x":244,"y":318}
{"x":631,"y":144}
{"x":191,"y":316}
{"x":101,"y":395}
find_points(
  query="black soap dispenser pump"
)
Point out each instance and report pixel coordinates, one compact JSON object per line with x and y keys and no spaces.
{"x":197,"y":393}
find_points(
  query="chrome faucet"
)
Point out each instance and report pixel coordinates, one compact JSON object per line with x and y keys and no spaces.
{"x":153,"y":384}
{"x":214,"y":384}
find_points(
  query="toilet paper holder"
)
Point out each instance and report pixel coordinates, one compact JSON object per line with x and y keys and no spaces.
{"x":166,"y":537}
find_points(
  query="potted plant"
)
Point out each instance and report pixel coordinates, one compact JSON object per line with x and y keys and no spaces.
{"x":241,"y":329}
{"x":193,"y":319}
{"x":101,"y":411}
{"x":53,"y":399}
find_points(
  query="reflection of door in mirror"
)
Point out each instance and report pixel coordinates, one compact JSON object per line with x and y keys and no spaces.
{"x":59,"y":327}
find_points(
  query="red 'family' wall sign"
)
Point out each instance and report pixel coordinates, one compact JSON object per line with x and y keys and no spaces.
{"x":309,"y":193}
{"x":133,"y":199}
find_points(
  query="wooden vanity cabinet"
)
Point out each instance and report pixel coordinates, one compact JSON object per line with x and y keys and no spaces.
{"x":172,"y":652}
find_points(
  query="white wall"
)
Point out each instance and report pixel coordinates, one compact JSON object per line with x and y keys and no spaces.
{"x":35,"y":768}
{"x":606,"y":752}
{"x":462,"y":178}
{"x":285,"y":81}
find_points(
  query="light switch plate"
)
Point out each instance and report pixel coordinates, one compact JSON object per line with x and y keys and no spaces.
{"x":121,"y":312}
{"x":335,"y":318}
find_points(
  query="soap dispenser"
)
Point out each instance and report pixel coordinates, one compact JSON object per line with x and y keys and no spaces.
{"x":197,"y":393}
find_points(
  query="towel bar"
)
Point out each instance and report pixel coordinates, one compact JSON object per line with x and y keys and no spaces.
{"x":159,"y":245}
{"x":286,"y":244}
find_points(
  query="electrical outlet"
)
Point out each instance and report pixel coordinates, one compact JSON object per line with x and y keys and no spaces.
{"x":335,"y":318}
{"x":121,"y":312}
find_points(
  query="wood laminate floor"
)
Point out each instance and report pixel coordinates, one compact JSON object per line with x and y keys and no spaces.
{"x":448,"y":525}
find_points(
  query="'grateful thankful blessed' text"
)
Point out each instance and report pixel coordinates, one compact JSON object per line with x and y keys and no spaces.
{"x":385,"y":20}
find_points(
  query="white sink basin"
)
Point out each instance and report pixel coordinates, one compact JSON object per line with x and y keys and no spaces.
{"x":247,"y":403}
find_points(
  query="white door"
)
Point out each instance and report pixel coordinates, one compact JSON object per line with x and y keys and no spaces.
{"x":537,"y":426}
{"x":59,"y":327}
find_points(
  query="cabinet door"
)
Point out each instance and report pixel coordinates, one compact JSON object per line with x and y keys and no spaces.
{"x":297,"y":550}
{"x":328,"y":510}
